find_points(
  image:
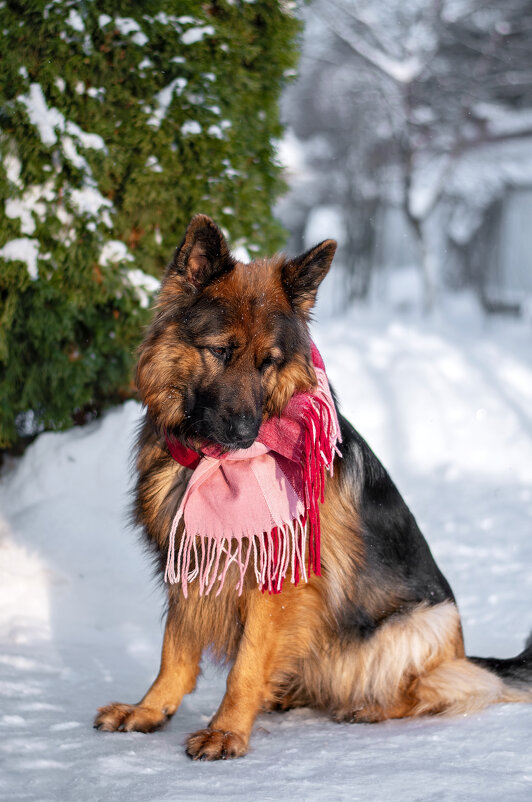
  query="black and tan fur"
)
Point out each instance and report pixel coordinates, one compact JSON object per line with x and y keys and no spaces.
{"x":378,"y":635}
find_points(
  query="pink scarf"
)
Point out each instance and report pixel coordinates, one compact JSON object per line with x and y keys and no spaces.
{"x":258,"y":503}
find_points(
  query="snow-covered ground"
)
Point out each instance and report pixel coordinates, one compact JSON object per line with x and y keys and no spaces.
{"x":447,"y":405}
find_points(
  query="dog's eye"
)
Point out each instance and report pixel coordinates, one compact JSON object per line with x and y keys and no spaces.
{"x":220,"y":352}
{"x":269,"y":360}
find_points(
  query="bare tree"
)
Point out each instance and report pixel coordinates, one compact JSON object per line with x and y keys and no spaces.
{"x":419,"y":102}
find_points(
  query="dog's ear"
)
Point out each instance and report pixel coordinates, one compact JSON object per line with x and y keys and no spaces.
{"x":204,"y":254}
{"x":303,"y":275}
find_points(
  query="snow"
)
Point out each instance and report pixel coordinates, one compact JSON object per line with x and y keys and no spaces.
{"x":75,"y":21}
{"x":215,"y":131}
{"x":23,"y":249}
{"x":163,"y":99}
{"x":46,"y":120}
{"x":153,"y":164}
{"x":16,"y":207}
{"x":32,"y":201}
{"x":162,"y":18}
{"x":240,"y":252}
{"x":93,"y":141}
{"x":197,"y":99}
{"x":12,"y":166}
{"x":127,"y":26}
{"x":504,"y":121}
{"x":446,"y":403}
{"x":97,"y":92}
{"x":144,"y":284}
{"x":139,"y":39}
{"x":193,"y":35}
{"x":191,"y":127}
{"x":114,"y":251}
{"x":71,"y":153}
{"x":88,"y":200}
{"x":230,"y":171}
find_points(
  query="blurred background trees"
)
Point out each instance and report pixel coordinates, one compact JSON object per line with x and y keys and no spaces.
{"x":412,"y":124}
{"x":409,"y":140}
{"x":119,"y":121}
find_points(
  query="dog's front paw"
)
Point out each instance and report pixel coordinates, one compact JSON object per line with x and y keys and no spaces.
{"x":118,"y":717}
{"x":216,"y":745}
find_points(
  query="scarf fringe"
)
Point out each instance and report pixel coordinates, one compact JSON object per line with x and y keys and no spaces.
{"x":321,"y":435}
{"x":208,"y":560}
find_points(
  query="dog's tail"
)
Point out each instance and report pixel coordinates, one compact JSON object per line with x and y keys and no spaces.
{"x":465,"y":685}
{"x":515,"y":672}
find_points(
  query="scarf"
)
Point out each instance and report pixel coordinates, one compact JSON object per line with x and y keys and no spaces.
{"x":258,"y":504}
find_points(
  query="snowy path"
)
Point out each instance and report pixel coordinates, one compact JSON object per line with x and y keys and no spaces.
{"x":448,"y":408}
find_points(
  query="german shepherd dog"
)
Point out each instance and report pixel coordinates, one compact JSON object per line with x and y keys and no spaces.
{"x":378,"y":634}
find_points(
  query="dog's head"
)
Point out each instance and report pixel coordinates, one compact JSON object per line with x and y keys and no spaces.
{"x":229,"y":343}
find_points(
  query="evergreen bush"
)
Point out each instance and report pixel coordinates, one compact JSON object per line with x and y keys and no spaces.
{"x":119,"y":121}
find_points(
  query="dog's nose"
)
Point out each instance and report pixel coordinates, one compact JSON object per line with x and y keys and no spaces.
{"x":244,"y":429}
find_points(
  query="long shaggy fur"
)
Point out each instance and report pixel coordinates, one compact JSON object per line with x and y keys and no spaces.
{"x":378,"y":635}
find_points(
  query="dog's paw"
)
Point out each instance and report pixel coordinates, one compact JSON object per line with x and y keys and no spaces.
{"x":216,"y":745}
{"x":118,"y":717}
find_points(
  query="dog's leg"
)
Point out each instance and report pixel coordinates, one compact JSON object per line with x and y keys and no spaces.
{"x":247,"y":684}
{"x":177,"y":677}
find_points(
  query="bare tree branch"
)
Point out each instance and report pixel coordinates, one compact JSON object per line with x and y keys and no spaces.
{"x":401,"y":71}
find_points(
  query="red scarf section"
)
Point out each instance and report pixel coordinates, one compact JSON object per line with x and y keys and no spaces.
{"x":258,"y":504}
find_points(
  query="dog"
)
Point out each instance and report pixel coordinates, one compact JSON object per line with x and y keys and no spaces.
{"x":378,"y":635}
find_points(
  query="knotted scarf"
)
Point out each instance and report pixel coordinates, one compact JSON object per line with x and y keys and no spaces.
{"x":258,"y":504}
